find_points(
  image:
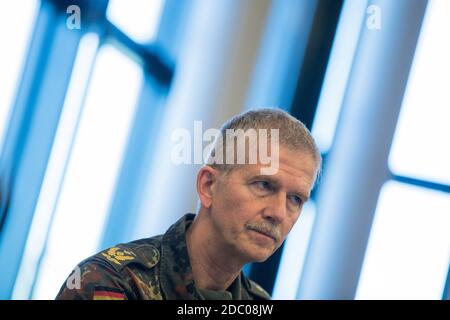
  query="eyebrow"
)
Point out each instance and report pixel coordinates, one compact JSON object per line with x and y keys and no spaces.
{"x":277,"y":184}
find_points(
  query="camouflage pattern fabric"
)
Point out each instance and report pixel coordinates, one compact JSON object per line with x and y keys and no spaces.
{"x":150,"y":269}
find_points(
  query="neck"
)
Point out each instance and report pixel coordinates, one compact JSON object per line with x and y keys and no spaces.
{"x":212,"y":267}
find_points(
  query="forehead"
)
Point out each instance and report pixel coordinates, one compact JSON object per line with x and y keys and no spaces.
{"x":296,"y":171}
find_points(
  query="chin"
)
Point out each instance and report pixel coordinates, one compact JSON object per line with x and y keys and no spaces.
{"x":260,"y":259}
{"x":259,"y":255}
{"x":250,"y":251}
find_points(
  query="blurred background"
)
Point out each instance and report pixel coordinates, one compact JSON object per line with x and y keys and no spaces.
{"x":91,"y":91}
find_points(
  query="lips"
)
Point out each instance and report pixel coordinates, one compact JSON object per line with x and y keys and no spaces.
{"x":263,"y":233}
{"x":266,"y":233}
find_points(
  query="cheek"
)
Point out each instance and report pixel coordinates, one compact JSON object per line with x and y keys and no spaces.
{"x":237,"y":207}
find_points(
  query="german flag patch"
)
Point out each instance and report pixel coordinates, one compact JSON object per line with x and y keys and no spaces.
{"x":105,"y":293}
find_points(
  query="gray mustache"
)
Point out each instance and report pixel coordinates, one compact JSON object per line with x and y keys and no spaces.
{"x":266,"y":228}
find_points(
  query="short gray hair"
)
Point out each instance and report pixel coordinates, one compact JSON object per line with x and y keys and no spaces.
{"x":293,"y":134}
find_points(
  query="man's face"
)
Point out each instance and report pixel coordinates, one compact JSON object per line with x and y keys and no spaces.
{"x":253,"y":213}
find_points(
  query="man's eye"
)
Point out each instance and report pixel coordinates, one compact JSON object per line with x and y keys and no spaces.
{"x":296,"y":201}
{"x":263,"y":185}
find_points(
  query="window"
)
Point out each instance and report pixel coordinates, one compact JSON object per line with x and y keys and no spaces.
{"x":337,"y":74}
{"x":13,"y":16}
{"x":88,"y":125}
{"x":92,"y":168}
{"x":409,"y":247}
{"x":408,"y":253}
{"x":139,"y":18}
{"x":420,"y":147}
{"x":56,"y":166}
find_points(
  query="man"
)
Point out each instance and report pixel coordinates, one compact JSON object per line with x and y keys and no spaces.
{"x":244,"y":216}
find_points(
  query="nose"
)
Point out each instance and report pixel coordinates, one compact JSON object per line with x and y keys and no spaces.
{"x":276,"y":210}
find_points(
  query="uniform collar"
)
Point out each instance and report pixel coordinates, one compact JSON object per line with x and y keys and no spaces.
{"x":177,"y":280}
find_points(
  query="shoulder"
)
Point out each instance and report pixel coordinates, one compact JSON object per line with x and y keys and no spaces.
{"x":143,"y":253}
{"x":257,"y":291}
{"x":102,"y":275}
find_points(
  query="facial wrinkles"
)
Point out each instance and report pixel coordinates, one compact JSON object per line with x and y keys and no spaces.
{"x":290,"y":174}
{"x":301,"y":175}
{"x":266,"y":226}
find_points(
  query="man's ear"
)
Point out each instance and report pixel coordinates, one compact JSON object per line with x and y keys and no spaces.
{"x":206,"y":183}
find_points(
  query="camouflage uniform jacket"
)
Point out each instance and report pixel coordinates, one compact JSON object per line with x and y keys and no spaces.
{"x":154,"y":268}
